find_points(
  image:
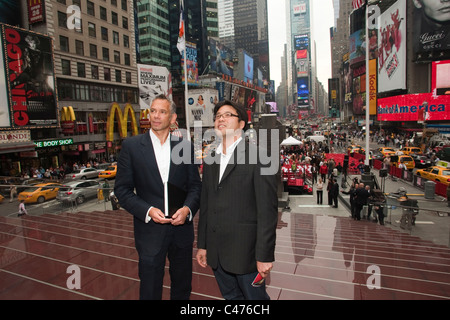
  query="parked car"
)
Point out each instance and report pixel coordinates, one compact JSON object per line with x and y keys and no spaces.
{"x":39,"y":193}
{"x":356,"y":149}
{"x":421,"y":161}
{"x":87,"y":173}
{"x":435,"y":173}
{"x":78,"y":191}
{"x":109,"y":173}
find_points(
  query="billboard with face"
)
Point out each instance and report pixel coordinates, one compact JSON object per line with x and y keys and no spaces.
{"x":431,"y":33}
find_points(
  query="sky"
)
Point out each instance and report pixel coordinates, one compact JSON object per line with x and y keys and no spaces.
{"x":322,"y":20}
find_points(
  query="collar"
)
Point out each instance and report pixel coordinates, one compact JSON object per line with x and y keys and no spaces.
{"x":230,"y":149}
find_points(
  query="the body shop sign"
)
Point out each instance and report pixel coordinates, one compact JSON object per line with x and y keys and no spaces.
{"x":409,"y":107}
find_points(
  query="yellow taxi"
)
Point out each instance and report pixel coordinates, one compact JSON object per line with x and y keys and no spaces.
{"x":436,"y":173}
{"x":387,"y":151}
{"x":1,"y":198}
{"x":39,"y":192}
{"x":108,"y":173}
{"x":408,"y":161}
{"x":411,"y":150}
{"x":356,"y":149}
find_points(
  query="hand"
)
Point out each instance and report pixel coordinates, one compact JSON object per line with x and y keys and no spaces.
{"x":158,"y":216}
{"x":264,"y":268}
{"x":201,"y":258}
{"x":179,"y":218}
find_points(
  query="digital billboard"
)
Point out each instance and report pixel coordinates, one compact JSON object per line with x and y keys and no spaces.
{"x":221,"y":58}
{"x":408,"y":107}
{"x":301,"y":42}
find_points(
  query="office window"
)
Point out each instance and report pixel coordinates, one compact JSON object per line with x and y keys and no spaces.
{"x":115,"y":37}
{"x":64,"y":44}
{"x":116,"y":56}
{"x":124,"y":5}
{"x":94,"y":72}
{"x":79,"y":46}
{"x":92,"y":31}
{"x":107,"y":74}
{"x":126,"y":41}
{"x":90,"y":8}
{"x":104,"y":33}
{"x":114,"y":18}
{"x":105,"y":52}
{"x":128,"y":77}
{"x":118,"y":76}
{"x":81,"y":70}
{"x":65,"y":65}
{"x":103,"y":14}
{"x":125,"y":23}
{"x":93,"y":51}
{"x":127,"y":59}
{"x":114,"y":3}
{"x":62,"y":19}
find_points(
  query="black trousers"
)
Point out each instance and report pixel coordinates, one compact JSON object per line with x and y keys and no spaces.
{"x":152,"y":269}
{"x":319,"y":196}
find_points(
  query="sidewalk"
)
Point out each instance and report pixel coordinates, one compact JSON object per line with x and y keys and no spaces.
{"x":432,"y":224}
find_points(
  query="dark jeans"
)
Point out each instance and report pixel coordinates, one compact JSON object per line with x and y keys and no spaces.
{"x":239,"y":287}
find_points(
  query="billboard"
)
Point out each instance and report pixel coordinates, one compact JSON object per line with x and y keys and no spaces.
{"x":301,"y":42}
{"x":408,"y":107}
{"x":392,"y":48}
{"x":221,"y":58}
{"x":303,"y":91}
{"x":153,"y":81}
{"x":29,"y":79}
{"x":248,"y":68}
{"x":431,"y":33}
{"x":201,"y":103}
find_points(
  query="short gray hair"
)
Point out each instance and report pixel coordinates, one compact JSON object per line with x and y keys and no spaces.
{"x":173,"y":106}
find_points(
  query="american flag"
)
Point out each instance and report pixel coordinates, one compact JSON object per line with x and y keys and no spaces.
{"x":358,"y":3}
{"x":181,"y":36}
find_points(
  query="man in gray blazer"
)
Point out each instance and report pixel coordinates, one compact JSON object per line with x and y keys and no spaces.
{"x":238,"y":210}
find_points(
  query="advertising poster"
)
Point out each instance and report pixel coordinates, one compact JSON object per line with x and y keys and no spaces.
{"x":248,"y":68}
{"x":153,"y":81}
{"x":192,"y":64}
{"x":30,"y":78}
{"x":431,"y":34}
{"x":359,"y":90}
{"x":392,"y":48}
{"x":201,"y":103}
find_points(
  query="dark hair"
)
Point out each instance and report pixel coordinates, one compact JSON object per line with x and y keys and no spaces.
{"x":242,"y":113}
{"x":173,"y":106}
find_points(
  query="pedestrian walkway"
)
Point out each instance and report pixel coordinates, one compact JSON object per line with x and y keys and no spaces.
{"x":321,"y":254}
{"x":433,"y":221}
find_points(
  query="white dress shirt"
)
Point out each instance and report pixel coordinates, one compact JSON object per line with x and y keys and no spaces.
{"x":162,"y":155}
{"x":225,"y":158}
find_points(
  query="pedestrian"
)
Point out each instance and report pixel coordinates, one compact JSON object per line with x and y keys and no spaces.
{"x":12,"y":193}
{"x":329,"y":188}
{"x":22,"y":209}
{"x":239,"y":211}
{"x":335,"y":193}
{"x":148,"y":168}
{"x":361,"y":198}
{"x":319,"y":190}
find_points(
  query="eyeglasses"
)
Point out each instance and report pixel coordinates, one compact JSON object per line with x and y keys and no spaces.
{"x":226,"y":115}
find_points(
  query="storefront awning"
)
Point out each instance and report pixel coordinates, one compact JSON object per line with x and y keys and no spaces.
{"x":17,"y":147}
